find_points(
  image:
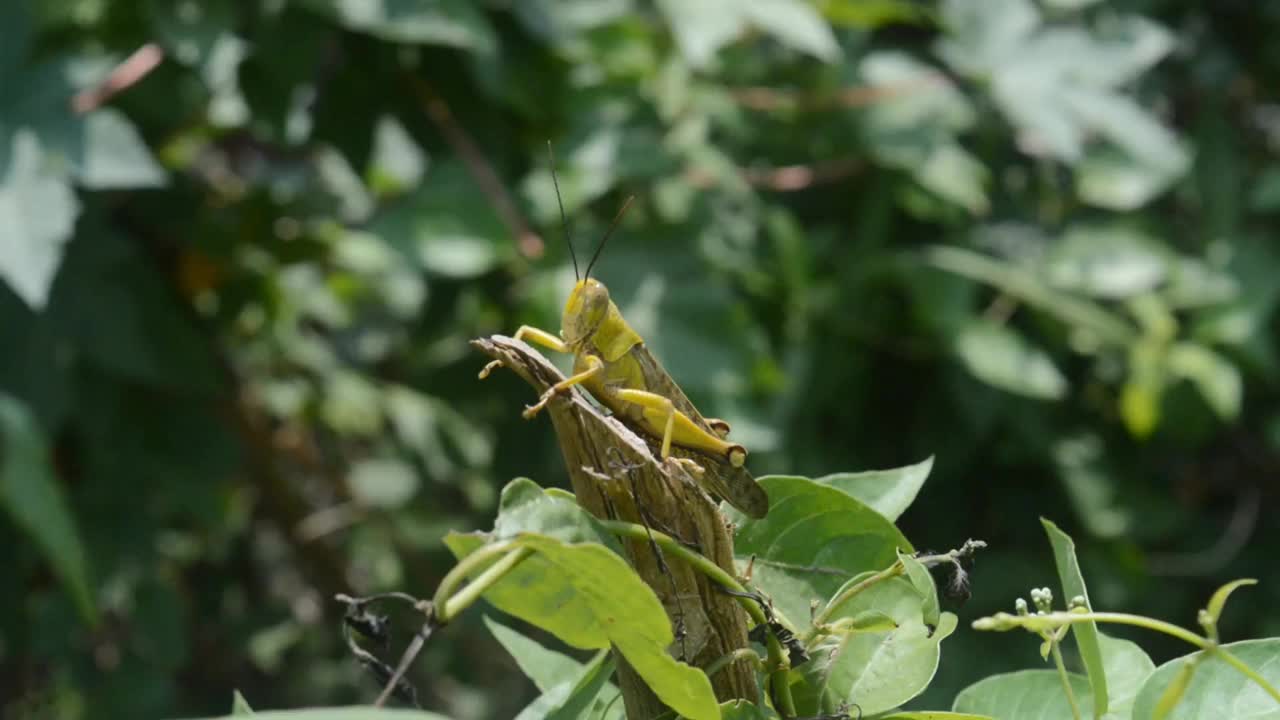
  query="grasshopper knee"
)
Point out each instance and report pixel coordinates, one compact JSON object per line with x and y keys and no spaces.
{"x":737,"y":455}
{"x":719,"y":427}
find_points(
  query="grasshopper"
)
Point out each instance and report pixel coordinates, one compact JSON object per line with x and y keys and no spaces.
{"x":611,"y":362}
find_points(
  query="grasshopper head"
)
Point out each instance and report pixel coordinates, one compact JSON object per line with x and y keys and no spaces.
{"x":585,"y":311}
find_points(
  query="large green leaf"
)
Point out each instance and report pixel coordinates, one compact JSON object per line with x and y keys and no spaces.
{"x":1023,"y":695}
{"x":589,"y":597}
{"x":1218,"y":690}
{"x":525,"y":507}
{"x":30,"y":492}
{"x":888,"y":492}
{"x":877,"y":669}
{"x":584,"y":593}
{"x":814,"y":538}
{"x":1086,"y":634}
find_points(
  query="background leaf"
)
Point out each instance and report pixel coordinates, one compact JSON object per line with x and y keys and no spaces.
{"x":888,"y":492}
{"x":30,"y":493}
{"x":1085,"y":634}
{"x":1216,"y":685}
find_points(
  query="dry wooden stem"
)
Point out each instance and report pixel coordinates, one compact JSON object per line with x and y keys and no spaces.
{"x":596,"y":447}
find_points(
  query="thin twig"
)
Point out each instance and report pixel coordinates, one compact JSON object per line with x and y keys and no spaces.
{"x":122,"y":76}
{"x":528,"y":242}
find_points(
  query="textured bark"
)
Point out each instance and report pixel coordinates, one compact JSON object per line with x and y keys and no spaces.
{"x":597,"y":450}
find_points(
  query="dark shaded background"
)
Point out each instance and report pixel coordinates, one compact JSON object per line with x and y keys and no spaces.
{"x":235,"y":298}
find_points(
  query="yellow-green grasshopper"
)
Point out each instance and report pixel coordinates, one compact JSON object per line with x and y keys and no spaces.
{"x":611,"y":361}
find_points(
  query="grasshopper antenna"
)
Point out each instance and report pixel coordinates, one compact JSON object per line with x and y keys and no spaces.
{"x":564,"y":222}
{"x":612,"y":226}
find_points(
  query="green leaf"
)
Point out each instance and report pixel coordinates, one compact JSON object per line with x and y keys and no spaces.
{"x":888,"y":492}
{"x":1127,"y":667}
{"x":1111,"y":262}
{"x":455,"y":23}
{"x":922,"y":581}
{"x":1003,"y":358}
{"x":796,"y":24}
{"x":1217,"y":379}
{"x":545,"y":667}
{"x":877,"y":669}
{"x":1115,"y":180}
{"x":1023,"y":695}
{"x":30,"y":492}
{"x":1174,"y":692}
{"x":397,"y":163}
{"x":136,"y":331}
{"x":570,"y":700}
{"x":38,"y":212}
{"x":702,"y":28}
{"x":526,"y":508}
{"x":1219,"y":599}
{"x":1078,"y":312}
{"x":239,"y":706}
{"x":588,"y":597}
{"x":915,"y":127}
{"x":385,"y":483}
{"x":111,"y":154}
{"x":445,"y":225}
{"x":355,"y":712}
{"x":1086,"y":634}
{"x":1081,"y":463}
{"x":814,"y":538}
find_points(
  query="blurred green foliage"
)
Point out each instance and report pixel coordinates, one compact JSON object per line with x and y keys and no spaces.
{"x":1029,"y":239}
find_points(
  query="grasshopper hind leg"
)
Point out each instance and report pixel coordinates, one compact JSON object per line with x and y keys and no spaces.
{"x":661,"y":418}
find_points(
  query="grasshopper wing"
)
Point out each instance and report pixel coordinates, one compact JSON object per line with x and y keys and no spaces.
{"x":733,"y":484}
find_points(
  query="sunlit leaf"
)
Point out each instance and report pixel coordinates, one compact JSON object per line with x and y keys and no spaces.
{"x":888,"y":492}
{"x":1217,"y":379}
{"x":1000,"y":357}
{"x":1219,"y":600}
{"x":1086,"y":633}
{"x":1127,"y":667}
{"x":38,"y":212}
{"x":1024,"y":695}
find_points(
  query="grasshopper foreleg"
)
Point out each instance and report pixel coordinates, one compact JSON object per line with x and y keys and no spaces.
{"x":540,"y":337}
{"x":595,"y":365}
